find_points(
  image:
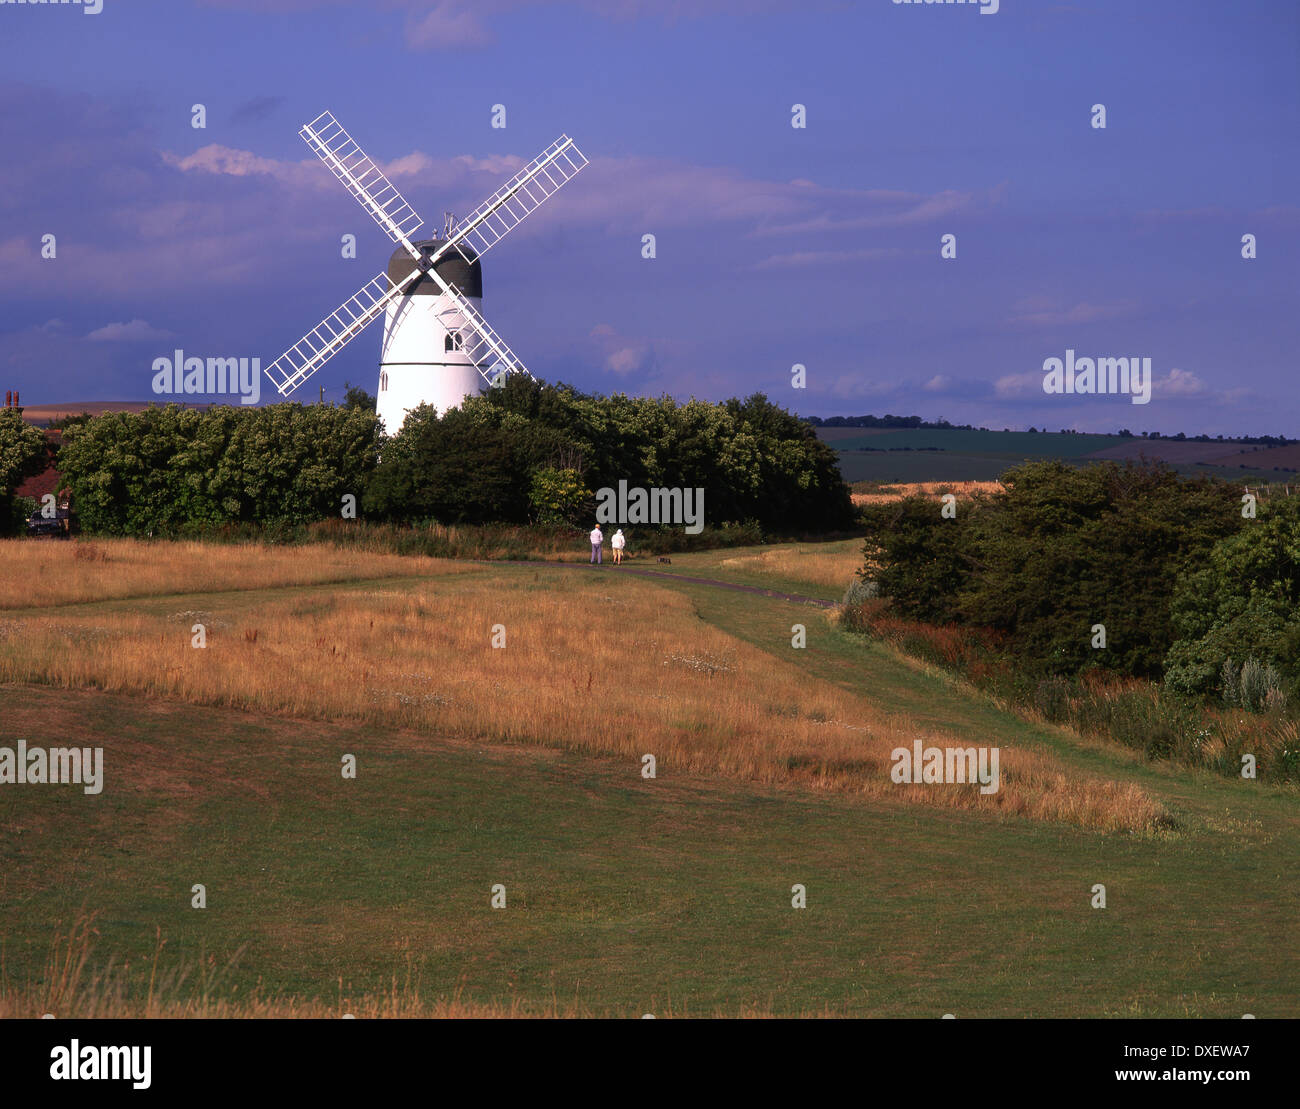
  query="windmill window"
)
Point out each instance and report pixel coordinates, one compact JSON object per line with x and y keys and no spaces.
{"x":453,"y":341}
{"x":383,"y":382}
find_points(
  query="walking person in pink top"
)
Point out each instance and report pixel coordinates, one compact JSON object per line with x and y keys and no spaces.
{"x":597,"y":538}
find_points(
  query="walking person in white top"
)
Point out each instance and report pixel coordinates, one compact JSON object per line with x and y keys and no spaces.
{"x":618,"y":543}
{"x":597,"y":538}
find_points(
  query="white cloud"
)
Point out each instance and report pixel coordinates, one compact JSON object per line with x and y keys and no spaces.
{"x":804,"y":258}
{"x":874,"y":208}
{"x":446,"y":27}
{"x":228,"y":160}
{"x":1179,"y":383}
{"x":418,"y":164}
{"x":133,"y":332}
{"x":1019,"y":385}
{"x":854,"y":386}
{"x":1040,"y":311}
{"x":1176,"y":383}
{"x":625,"y":360}
{"x":621,"y":354}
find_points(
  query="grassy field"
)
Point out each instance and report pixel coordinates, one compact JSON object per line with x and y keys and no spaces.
{"x":522,"y":767}
{"x":576,"y":664}
{"x":821,"y":570}
{"x":45,"y":574}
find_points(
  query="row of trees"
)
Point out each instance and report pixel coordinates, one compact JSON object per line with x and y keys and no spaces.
{"x":1181,"y":580}
{"x":172,"y":469}
{"x":888,"y":420}
{"x":521,"y":453}
{"x":531,"y":451}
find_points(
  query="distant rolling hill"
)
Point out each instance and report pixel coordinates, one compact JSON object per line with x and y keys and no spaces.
{"x":40,"y":414}
{"x":929,"y":454}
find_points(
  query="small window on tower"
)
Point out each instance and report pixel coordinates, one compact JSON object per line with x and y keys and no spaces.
{"x":383,"y":382}
{"x":452,"y":342}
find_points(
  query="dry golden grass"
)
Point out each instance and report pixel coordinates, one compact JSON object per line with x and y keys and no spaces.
{"x":620,"y":671}
{"x":55,"y":573}
{"x":813,"y":563}
{"x":928,"y":489}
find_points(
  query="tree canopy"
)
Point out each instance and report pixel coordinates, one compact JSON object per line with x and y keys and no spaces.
{"x":753,"y":459}
{"x":524,"y":452}
{"x":1241,"y":603}
{"x":1061,"y":550}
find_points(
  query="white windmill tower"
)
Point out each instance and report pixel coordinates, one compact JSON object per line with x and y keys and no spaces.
{"x":437,"y":348}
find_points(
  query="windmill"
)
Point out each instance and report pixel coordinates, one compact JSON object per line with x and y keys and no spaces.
{"x":437,"y":347}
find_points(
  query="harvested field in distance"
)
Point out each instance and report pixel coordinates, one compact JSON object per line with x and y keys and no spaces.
{"x":876,"y":493}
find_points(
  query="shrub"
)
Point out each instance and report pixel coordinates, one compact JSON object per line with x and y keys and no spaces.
{"x":917,"y":558}
{"x":1243,"y":601}
{"x":1253,"y":687}
{"x":860,"y":589}
{"x":559,"y":496}
{"x":1052,"y":699}
{"x":861,"y":617}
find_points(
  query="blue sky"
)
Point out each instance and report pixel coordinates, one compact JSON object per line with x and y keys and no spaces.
{"x":775,"y":246}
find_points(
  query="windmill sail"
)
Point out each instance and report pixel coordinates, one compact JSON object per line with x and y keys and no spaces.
{"x":361,"y":177}
{"x":519,"y":197}
{"x":335,"y":331}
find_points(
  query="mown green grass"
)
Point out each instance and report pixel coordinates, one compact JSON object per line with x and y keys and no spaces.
{"x":637,"y":896}
{"x":627,"y":895}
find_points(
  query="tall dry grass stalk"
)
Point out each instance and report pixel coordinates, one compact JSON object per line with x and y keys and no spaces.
{"x":54,"y":573}
{"x":601,"y":668}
